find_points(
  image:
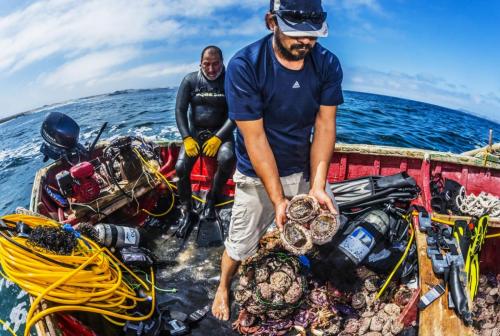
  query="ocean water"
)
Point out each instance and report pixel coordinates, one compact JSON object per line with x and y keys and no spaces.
{"x":363,"y":118}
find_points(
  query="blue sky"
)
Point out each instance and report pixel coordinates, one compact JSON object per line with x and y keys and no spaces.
{"x":442,"y":52}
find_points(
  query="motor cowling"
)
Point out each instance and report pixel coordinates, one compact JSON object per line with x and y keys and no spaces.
{"x":60,"y":134}
{"x":85,"y":187}
{"x":60,"y":130}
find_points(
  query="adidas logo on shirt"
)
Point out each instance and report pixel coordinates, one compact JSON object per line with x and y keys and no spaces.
{"x":296,"y":85}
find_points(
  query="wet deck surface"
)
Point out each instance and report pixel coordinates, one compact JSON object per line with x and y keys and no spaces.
{"x":194,"y":272}
{"x":14,"y":306}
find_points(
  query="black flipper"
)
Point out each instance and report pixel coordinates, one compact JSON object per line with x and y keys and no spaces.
{"x":401,"y":180}
{"x":370,"y":190}
{"x":186,"y":223}
{"x":210,"y":232}
{"x":354,"y":189}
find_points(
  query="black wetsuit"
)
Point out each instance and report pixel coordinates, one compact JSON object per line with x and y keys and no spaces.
{"x":208,"y":117}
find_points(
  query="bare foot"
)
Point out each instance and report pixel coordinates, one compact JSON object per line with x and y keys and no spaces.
{"x":220,"y":307}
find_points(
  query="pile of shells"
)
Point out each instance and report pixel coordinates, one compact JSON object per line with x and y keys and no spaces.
{"x":271,"y":287}
{"x":357,"y":312}
{"x":325,"y":310}
{"x":486,"y":306}
{"x":307,"y":225}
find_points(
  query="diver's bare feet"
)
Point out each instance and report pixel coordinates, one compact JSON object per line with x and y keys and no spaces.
{"x":220,"y":307}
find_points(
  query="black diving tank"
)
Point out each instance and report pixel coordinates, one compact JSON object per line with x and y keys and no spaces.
{"x":115,"y":236}
{"x":363,"y":234}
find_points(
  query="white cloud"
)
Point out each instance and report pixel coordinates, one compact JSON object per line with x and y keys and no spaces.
{"x":355,"y":19}
{"x":254,"y":25}
{"x":75,"y":48}
{"x":70,"y":29}
{"x":422,"y":87}
{"x":89,"y":67}
{"x":356,"y":9}
{"x":52,"y":27}
{"x":49,"y":27}
{"x":153,"y":70}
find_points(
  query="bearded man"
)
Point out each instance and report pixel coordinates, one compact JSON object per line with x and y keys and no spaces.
{"x":279,"y":89}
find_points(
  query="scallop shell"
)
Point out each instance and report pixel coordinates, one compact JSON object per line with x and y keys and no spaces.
{"x":302,"y":208}
{"x":323,"y":228}
{"x":296,"y":238}
{"x":265,"y":291}
{"x":376,"y":323}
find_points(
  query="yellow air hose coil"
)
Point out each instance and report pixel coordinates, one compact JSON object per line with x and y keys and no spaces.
{"x":89,"y":280}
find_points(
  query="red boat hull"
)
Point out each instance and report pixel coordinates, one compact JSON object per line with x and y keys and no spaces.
{"x":351,"y":164}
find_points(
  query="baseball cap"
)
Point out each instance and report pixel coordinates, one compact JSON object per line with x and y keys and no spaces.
{"x":298,"y":18}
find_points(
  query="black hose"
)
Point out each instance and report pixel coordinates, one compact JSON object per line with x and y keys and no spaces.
{"x":91,"y":148}
{"x":458,"y":294}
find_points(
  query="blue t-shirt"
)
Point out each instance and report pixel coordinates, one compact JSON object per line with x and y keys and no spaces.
{"x":258,"y":86}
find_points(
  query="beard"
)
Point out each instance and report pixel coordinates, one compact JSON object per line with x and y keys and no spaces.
{"x":303,"y":49}
{"x":212,"y":78}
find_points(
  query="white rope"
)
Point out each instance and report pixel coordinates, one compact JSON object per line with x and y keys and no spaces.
{"x":477,"y":206}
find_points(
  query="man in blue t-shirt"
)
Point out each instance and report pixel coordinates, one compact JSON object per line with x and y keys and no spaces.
{"x":278,"y":89}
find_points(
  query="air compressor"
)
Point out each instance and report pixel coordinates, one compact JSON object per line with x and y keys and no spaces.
{"x":79,"y":183}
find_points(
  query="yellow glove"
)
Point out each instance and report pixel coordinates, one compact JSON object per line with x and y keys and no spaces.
{"x":191,"y":146}
{"x":211,"y":146}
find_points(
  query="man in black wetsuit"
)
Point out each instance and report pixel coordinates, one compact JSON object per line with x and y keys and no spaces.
{"x":207,"y":129}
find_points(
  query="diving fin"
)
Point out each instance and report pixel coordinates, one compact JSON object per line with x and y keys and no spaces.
{"x":401,"y":180}
{"x":185,"y":223}
{"x":463,"y":235}
{"x":458,"y":296}
{"x":369,"y":190}
{"x":353,"y":189}
{"x":473,"y":254}
{"x":210,"y":232}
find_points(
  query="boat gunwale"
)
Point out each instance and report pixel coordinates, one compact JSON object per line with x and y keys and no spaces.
{"x":407,"y":152}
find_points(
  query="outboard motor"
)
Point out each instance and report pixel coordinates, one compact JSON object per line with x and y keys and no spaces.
{"x":61,"y":133}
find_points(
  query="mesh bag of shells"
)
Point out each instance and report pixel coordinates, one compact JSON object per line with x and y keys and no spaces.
{"x":271,"y":287}
{"x":307,"y":225}
{"x":278,"y":297}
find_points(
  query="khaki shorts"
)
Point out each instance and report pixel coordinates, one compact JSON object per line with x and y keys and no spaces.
{"x":253,"y":211}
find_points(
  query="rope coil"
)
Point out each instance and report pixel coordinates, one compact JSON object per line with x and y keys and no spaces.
{"x":478,"y":206}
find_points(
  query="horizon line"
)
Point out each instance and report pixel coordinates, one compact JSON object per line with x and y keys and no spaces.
{"x":38,"y":109}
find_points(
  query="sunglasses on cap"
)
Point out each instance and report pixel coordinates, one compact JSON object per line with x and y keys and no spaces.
{"x":298,"y":16}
